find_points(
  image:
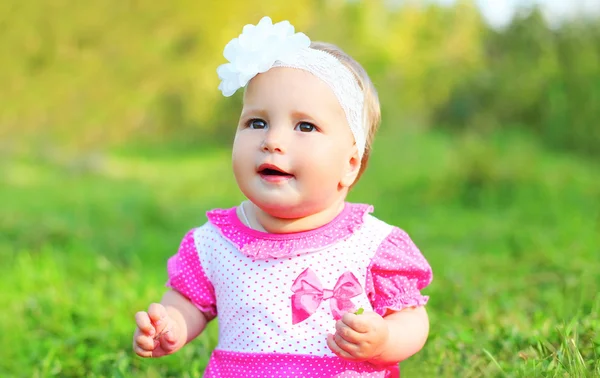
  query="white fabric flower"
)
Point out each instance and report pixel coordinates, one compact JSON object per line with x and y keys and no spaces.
{"x":256,"y":50}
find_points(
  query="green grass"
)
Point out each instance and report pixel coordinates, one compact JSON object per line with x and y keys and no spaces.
{"x":512,"y":232}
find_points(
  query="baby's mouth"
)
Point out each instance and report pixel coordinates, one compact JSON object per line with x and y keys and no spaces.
{"x":273,"y":171}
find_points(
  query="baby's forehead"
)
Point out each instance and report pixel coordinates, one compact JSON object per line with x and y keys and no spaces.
{"x":284,"y":83}
{"x":289,"y":76}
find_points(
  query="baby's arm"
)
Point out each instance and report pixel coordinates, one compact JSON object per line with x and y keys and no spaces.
{"x":408,"y":332}
{"x":380,"y":340}
{"x":167,"y":326}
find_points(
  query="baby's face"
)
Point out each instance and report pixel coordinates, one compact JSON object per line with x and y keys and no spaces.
{"x":293,"y":147}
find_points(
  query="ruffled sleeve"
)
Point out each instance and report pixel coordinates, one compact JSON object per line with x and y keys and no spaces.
{"x":397,"y":274}
{"x":187,"y":276}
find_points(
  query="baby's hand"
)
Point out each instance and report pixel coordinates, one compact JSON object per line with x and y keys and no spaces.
{"x":359,"y":337}
{"x":157,"y":334}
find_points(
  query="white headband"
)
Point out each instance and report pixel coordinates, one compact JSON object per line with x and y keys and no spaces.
{"x":266,"y":45}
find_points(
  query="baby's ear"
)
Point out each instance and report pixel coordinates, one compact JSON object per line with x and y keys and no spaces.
{"x":351,"y":170}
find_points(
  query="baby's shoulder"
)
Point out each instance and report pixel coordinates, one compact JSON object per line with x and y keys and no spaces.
{"x":371,"y":221}
{"x":371,"y":233}
{"x":209,"y":230}
{"x":392,"y":233}
{"x":372,"y":224}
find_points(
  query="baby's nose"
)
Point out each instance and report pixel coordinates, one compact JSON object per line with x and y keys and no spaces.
{"x":274,"y":142}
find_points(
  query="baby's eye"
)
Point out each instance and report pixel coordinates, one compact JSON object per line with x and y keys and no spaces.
{"x":257,"y":124}
{"x":306,"y":127}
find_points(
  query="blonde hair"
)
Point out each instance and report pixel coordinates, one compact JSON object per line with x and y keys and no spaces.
{"x":371,"y":108}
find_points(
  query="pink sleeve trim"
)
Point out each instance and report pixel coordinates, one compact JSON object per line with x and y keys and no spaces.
{"x":187,"y":276}
{"x":399,"y":304}
{"x":397,"y":274}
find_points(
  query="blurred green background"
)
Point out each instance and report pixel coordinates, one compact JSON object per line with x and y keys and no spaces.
{"x":114,"y":141}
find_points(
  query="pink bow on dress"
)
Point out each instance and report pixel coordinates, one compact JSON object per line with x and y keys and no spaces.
{"x":308,"y":295}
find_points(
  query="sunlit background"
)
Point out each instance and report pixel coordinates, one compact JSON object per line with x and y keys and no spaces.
{"x":114,"y":141}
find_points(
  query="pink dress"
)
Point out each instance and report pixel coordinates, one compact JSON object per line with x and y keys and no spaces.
{"x":277,"y":296}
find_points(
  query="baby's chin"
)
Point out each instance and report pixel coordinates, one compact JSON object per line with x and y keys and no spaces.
{"x":290,"y":210}
{"x":282,"y":210}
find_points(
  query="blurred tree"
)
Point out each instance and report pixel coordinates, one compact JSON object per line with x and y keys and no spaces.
{"x":535,"y":77}
{"x":87,"y":76}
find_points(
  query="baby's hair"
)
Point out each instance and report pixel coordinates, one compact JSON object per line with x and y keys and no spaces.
{"x":371,"y":108}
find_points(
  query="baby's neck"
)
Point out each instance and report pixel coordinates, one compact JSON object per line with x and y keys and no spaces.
{"x":263,"y":221}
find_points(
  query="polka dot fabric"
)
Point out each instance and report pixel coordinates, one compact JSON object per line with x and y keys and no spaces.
{"x":252,"y":295}
{"x":397,"y":274}
{"x":259,"y":244}
{"x":186,"y":275}
{"x":232,"y":364}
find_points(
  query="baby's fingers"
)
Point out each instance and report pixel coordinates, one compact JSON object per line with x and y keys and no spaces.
{"x":158,"y":317}
{"x":168,"y":339}
{"x":335,"y":348}
{"x":143,"y":345}
{"x":144,"y":324}
{"x":142,"y":352}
